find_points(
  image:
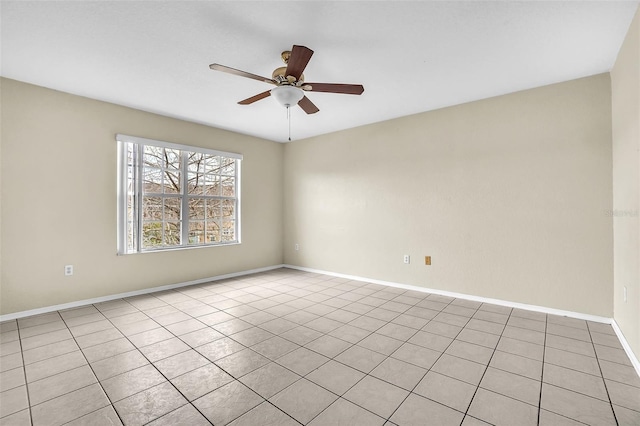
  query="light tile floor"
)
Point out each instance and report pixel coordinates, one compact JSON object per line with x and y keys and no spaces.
{"x":288,"y":347}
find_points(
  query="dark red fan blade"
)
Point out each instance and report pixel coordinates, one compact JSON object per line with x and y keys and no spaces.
{"x":256,"y":98}
{"x":229,"y":70}
{"x":349,"y":89}
{"x":308,"y":106}
{"x":300,"y":56}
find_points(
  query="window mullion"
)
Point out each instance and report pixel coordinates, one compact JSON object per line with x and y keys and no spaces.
{"x":138,"y":173}
{"x":184,"y":214}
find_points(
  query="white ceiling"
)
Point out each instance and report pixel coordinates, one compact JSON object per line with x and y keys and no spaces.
{"x":410,"y":56}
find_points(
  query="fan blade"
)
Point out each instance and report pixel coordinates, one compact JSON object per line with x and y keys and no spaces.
{"x":256,"y":98}
{"x":218,"y":67}
{"x":308,"y":106}
{"x":349,"y":89}
{"x":300,"y":56}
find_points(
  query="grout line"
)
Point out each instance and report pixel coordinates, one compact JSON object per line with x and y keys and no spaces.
{"x":604,"y":382}
{"x":544,"y":352}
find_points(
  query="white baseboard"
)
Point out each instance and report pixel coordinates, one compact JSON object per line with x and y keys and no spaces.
{"x":626,"y":346}
{"x":79,"y":303}
{"x":500,"y":302}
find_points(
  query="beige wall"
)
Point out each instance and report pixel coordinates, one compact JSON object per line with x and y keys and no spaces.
{"x":508,"y":195}
{"x":58,"y":184}
{"x":625,"y":94}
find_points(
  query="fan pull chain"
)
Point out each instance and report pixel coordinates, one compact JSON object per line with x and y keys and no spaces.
{"x":289,"y":120}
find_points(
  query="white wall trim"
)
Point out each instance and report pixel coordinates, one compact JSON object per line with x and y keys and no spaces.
{"x":79,"y":303}
{"x":500,"y":302}
{"x":626,"y":346}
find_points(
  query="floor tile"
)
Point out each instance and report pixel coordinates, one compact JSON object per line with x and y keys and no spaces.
{"x":624,"y":395}
{"x":264,"y":414}
{"x":303,"y":400}
{"x":608,"y":353}
{"x":201,"y":381}
{"x":302,"y":361}
{"x":51,"y":366}
{"x":512,"y":385}
{"x":350,"y":333}
{"x":576,"y":406}
{"x":336,"y":377}
{"x":442,"y":329}
{"x":345,"y":413}
{"x":12,"y":379}
{"x":399,"y":373}
{"x":376,"y":396}
{"x":521,"y":348}
{"x":187,"y":415}
{"x":501,"y":410}
{"x":570,"y":345}
{"x":446,"y":390}
{"x":269,"y":379}
{"x":13,"y":400}
{"x":181,"y":363}
{"x":620,"y":373}
{"x":164,"y":349}
{"x":606,"y":340}
{"x":148,"y":405}
{"x":10,"y":362}
{"x":59,"y":384}
{"x":583,"y":363}
{"x":415,"y":409}
{"x":227,"y":403}
{"x":525,"y":335}
{"x":360,"y":358}
{"x":458,"y":368}
{"x":219,"y":348}
{"x":576,"y":381}
{"x":98,"y":338}
{"x":69,"y":406}
{"x":416,"y":355}
{"x":547,"y":418}
{"x":108,"y":349}
{"x":626,"y":417}
{"x":431,"y":341}
{"x":118,"y":364}
{"x":200,"y":337}
{"x":43,"y":339}
{"x":380,"y":343}
{"x":470,"y":351}
{"x":40,"y":329}
{"x":274,"y":347}
{"x":104,"y":416}
{"x":131,"y":382}
{"x":517,"y":364}
{"x":570,"y":332}
{"x":21,"y":418}
{"x":328,"y":346}
{"x":476,"y":337}
{"x":242,"y":362}
{"x":408,"y":321}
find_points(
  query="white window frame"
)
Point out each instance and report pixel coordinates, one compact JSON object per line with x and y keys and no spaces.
{"x":123,"y":182}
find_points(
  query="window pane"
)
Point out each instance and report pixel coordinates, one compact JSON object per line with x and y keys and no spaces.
{"x":228,"y":208}
{"x":153,"y":156}
{"x":196,"y":183}
{"x":211,"y":184}
{"x":213,"y":232}
{"x":172,"y":207}
{"x":196,"y":162}
{"x":172,"y":159}
{"x":172,"y":233}
{"x":228,"y":231}
{"x":196,"y":208}
{"x":151,"y":234}
{"x":228,"y":186}
{"x":171,"y":182}
{"x":152,"y":208}
{"x":213,"y":209}
{"x":196,"y":232}
{"x":212,"y":163}
{"x":152,"y":180}
{"x":228,"y":167}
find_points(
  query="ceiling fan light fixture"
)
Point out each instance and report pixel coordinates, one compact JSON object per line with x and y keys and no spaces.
{"x":287,"y":95}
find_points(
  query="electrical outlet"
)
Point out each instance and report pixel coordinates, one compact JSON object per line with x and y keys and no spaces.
{"x":407,"y":258}
{"x":297,"y":246}
{"x":625,"y":293}
{"x":427,"y":260}
{"x":68,"y":270}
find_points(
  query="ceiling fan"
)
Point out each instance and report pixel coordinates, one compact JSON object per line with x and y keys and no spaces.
{"x":289,"y":81}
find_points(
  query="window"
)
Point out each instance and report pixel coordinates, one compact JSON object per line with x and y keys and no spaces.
{"x":175,"y":196}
